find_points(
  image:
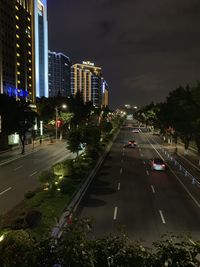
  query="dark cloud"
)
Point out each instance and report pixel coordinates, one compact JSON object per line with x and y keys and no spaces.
{"x":146,"y":48}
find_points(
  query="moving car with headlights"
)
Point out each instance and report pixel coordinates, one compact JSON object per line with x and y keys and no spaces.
{"x":131,"y":144}
{"x":135,"y":130}
{"x":157,"y":164}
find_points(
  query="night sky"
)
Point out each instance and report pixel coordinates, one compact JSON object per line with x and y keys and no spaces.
{"x":146,"y":48}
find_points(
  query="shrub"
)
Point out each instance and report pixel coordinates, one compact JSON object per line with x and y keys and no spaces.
{"x":47,"y":178}
{"x":18,"y":223}
{"x":66,"y":186}
{"x":29,"y":194}
{"x":63,"y":168}
{"x":33,"y":218}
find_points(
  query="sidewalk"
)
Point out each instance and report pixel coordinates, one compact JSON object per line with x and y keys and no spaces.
{"x":11,"y":155}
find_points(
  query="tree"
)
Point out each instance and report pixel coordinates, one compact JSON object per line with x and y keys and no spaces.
{"x":75,"y":138}
{"x":17,"y":116}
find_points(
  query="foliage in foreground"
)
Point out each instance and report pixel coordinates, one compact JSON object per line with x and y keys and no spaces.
{"x":76,"y":249}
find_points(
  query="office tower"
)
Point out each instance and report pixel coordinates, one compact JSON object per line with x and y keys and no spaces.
{"x":105,"y":95}
{"x":86,"y":78}
{"x":16,"y":49}
{"x":41,"y":47}
{"x":59,"y":74}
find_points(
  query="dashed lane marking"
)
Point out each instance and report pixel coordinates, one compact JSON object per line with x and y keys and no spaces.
{"x":147,"y":172}
{"x":18,"y":168}
{"x":153,"y":189}
{"x":121,"y":171}
{"x":6,"y":190}
{"x":162,"y":217}
{"x":119,"y":186}
{"x":33,"y":173}
{"x":115,"y":213}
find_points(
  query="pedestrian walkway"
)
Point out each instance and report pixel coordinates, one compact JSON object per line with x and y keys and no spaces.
{"x":11,"y":155}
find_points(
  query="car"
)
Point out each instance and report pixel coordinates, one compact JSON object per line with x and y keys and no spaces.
{"x":135,"y":130}
{"x":130,"y":144}
{"x":157,"y":164}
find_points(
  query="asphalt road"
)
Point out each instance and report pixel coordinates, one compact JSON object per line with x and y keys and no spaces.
{"x":19,"y":176}
{"x":127,"y":195}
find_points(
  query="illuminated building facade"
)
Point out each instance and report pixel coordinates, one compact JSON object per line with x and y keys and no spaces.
{"x":105,"y":95}
{"x":16,"y":49}
{"x":59,"y":74}
{"x":86,"y":78}
{"x":40,"y":26}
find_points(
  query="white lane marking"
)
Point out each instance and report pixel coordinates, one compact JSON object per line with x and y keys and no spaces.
{"x":182,"y":184}
{"x":121,"y":171}
{"x":144,"y":162}
{"x":33,"y":173}
{"x":147,"y":172}
{"x":152,"y":188}
{"x":139,"y":149}
{"x":6,"y":190}
{"x":18,"y":168}
{"x":122,"y":161}
{"x":115,"y":213}
{"x":162,"y":217}
{"x":119,"y":186}
{"x":141,"y":155}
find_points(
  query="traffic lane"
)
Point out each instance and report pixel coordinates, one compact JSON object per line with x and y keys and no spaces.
{"x":100,"y":199}
{"x":26,"y":178}
{"x":178,"y":208}
{"x":137,"y":213}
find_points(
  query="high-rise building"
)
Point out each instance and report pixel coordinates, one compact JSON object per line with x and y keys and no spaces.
{"x":16,"y":49}
{"x":59,"y":74}
{"x":105,"y":95}
{"x":40,"y":26}
{"x":86,"y":78}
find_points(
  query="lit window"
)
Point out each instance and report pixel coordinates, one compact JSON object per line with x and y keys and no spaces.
{"x":29,"y":61}
{"x":17,"y":45}
{"x":29,"y":44}
{"x":29,"y":69}
{"x":29,"y":27}
{"x":18,"y":64}
{"x":18,"y":82}
{"x":29,"y":53}
{"x":17,"y":36}
{"x":29,"y":19}
{"x":29,"y":77}
{"x":30,"y":84}
{"x":18,"y":73}
{"x":18,"y":55}
{"x":17,"y":17}
{"x":17,"y":27}
{"x":16,"y":7}
{"x":29,"y":36}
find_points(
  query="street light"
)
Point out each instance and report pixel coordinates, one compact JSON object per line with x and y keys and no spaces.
{"x":56,"y":109}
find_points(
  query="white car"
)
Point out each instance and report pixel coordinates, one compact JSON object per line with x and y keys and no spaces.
{"x":158,"y":164}
{"x":135,"y":130}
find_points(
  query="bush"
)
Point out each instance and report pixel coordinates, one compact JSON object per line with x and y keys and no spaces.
{"x":47,"y":178}
{"x":66,"y":186}
{"x":63,"y":168}
{"x":33,"y":218}
{"x":29,"y":194}
{"x":18,"y":223}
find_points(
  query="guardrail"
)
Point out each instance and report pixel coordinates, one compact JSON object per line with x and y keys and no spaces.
{"x":176,"y":163}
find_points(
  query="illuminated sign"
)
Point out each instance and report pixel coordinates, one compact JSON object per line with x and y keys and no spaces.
{"x":17,"y":92}
{"x":88,"y":63}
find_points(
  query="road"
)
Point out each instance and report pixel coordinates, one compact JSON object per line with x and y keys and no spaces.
{"x":19,"y":176}
{"x":127,"y":195}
